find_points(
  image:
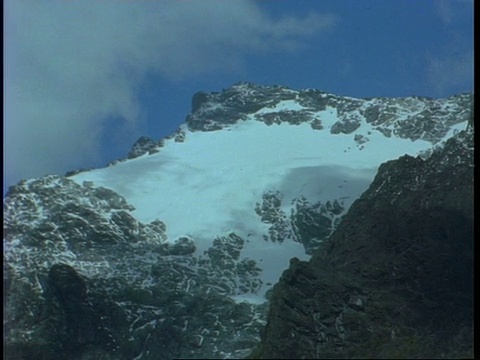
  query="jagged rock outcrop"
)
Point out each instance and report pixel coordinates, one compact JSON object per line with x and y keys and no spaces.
{"x":410,"y":118}
{"x":142,"y":146}
{"x":83,"y":279}
{"x":314,"y":223}
{"x":395,"y":280}
{"x":86,"y":278}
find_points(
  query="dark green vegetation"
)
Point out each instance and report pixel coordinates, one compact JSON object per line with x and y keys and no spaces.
{"x":395,"y":280}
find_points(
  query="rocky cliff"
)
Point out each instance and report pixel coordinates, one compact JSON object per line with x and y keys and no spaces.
{"x":83,"y":279}
{"x":395,"y":280}
{"x":171,"y":252}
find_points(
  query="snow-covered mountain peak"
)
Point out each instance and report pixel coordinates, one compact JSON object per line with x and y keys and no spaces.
{"x":214,"y":213}
{"x":271,"y":165}
{"x":267,"y":163}
{"x":414,"y":117}
{"x":411,"y":117}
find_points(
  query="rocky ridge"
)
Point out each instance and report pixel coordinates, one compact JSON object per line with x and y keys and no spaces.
{"x":85,"y":280}
{"x":395,"y":280}
{"x":411,"y":117}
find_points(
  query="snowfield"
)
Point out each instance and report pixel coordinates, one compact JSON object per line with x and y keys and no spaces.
{"x":209,"y":185}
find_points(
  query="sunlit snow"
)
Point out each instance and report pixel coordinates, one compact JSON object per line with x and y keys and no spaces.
{"x":208,"y":185}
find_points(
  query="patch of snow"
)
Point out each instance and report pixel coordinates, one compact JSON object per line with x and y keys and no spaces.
{"x":209,"y":185}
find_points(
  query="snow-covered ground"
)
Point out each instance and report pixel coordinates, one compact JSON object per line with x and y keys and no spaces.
{"x":208,"y":185}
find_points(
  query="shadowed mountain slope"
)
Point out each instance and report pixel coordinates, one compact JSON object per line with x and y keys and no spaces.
{"x":395,"y":280}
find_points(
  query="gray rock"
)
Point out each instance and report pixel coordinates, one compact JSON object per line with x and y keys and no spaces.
{"x":345,"y":126}
{"x":395,"y":280}
{"x":85,"y":280}
{"x":142,"y":146}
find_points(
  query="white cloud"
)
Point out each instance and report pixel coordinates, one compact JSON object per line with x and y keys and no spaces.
{"x":451,"y":72}
{"x":451,"y":68}
{"x":449,"y":10}
{"x":71,"y":64}
{"x":444,"y":11}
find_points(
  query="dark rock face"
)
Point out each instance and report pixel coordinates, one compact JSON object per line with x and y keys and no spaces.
{"x":142,"y":146}
{"x":313,"y":223}
{"x":346,"y":126}
{"x":395,"y":280}
{"x":83,"y":279}
{"x":82,"y":324}
{"x":309,"y":223}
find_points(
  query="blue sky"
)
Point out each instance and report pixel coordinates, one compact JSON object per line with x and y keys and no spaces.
{"x":85,"y":79}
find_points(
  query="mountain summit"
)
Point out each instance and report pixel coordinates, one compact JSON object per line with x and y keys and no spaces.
{"x":173,"y":250}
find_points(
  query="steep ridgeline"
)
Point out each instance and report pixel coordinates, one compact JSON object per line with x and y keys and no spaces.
{"x":395,"y":280}
{"x":407,"y":118}
{"x":172,"y":251}
{"x":412,"y":117}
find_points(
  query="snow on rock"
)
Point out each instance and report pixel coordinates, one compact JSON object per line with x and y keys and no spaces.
{"x":187,"y":235}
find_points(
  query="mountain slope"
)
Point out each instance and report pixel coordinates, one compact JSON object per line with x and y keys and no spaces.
{"x":395,"y":280}
{"x":255,"y":148}
{"x":172,"y":251}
